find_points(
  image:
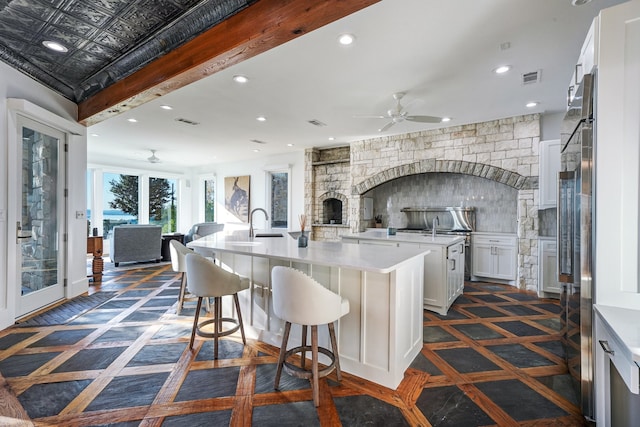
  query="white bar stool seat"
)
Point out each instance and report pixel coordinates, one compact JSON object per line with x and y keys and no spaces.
{"x":206,"y":279}
{"x":298,"y":298}
{"x":179,"y":265}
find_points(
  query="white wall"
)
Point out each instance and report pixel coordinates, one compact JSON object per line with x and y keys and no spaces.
{"x":14,"y":84}
{"x":258,"y":187}
{"x":550,"y":125}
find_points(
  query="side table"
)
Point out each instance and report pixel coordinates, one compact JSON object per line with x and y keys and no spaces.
{"x":94,"y":246}
{"x":166,"y":238}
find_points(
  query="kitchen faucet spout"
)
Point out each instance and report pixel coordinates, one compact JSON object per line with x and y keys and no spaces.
{"x":266,"y":217}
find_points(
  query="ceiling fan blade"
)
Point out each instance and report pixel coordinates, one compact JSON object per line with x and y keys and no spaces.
{"x":424,"y":119}
{"x":370,"y":117}
{"x":387,"y":126}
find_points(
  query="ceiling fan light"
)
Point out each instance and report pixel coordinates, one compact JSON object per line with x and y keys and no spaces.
{"x":153,"y":158}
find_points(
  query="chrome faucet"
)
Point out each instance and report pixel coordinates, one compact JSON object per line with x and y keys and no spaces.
{"x":266,"y":217}
{"x":436,"y":221}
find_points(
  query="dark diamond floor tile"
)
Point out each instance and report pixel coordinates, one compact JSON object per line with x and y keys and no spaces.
{"x":120,"y":333}
{"x":119,"y":303}
{"x":173,"y":331}
{"x":491,"y":287}
{"x":489,"y":298}
{"x":478,"y":331}
{"x":203,"y":419}
{"x":553,"y":323}
{"x":23,"y":364}
{"x":286,"y":414}
{"x":45,"y":400}
{"x":12,"y":339}
{"x":463,"y":300}
{"x":209,"y":383}
{"x":125,"y":424}
{"x":521,"y":296}
{"x":563,"y":385}
{"x":266,"y":375}
{"x":86,"y":360}
{"x":484,"y":312}
{"x":128,"y":391}
{"x":95,"y":317}
{"x":169,"y":292}
{"x":466,"y":360}
{"x":138,"y":293}
{"x":520,"y":356}
{"x":433,"y":334}
{"x":554,"y":347}
{"x":160,"y":302}
{"x":520,"y":329}
{"x":550,"y":307}
{"x":366,"y":410}
{"x":158,"y":354}
{"x":520,"y":310}
{"x":150,"y":284}
{"x":62,"y":338}
{"x":143,"y":316}
{"x":450,"y":407}
{"x":421,"y":363}
{"x":510,"y":395}
{"x":227,"y":349}
{"x":452,"y":314}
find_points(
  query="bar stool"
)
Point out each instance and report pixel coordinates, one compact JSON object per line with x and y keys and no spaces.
{"x":297,"y":298}
{"x":206,"y":279}
{"x":179,"y":265}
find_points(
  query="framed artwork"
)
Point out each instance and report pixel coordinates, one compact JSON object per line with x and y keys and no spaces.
{"x":236,"y":196}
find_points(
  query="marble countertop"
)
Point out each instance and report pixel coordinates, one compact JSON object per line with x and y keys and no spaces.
{"x":334,"y":254}
{"x":626,"y":324}
{"x":442,"y":240}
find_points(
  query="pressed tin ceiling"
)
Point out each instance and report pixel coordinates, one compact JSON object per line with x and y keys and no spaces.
{"x":107,"y":40}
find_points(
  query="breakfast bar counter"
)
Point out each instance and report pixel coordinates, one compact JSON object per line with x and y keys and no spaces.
{"x":382,"y":333}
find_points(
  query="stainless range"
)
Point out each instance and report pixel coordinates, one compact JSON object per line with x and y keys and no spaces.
{"x":460,"y":221}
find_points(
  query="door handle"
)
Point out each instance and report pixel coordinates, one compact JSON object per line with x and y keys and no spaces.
{"x":19,"y":235}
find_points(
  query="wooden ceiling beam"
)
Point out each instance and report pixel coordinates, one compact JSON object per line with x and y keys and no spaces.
{"x":262,"y":26}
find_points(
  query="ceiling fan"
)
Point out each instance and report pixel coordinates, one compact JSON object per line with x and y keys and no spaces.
{"x":399,"y":115}
{"x":153,"y":158}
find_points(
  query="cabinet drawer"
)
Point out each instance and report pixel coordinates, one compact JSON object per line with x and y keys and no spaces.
{"x":494,"y":240}
{"x":617,"y":353}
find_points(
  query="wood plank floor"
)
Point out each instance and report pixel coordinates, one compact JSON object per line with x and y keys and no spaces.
{"x":495,"y":359}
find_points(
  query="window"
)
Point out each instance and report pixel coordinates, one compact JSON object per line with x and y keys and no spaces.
{"x":278,"y":182}
{"x":120,"y":197}
{"x":209,"y":200}
{"x":162,"y":203}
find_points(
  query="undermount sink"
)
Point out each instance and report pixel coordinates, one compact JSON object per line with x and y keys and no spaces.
{"x":247,"y":243}
{"x":268,"y":235}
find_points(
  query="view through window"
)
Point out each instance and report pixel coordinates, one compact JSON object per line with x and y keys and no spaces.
{"x":120,"y":197}
{"x":162,"y":203}
{"x":209,"y":200}
{"x":279,"y":183}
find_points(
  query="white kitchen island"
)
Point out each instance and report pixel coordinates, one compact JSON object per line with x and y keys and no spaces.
{"x":382,"y":333}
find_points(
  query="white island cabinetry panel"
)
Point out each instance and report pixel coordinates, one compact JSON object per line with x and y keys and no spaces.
{"x":443,"y":265}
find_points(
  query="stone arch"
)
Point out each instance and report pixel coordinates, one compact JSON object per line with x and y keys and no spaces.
{"x":494,"y":173}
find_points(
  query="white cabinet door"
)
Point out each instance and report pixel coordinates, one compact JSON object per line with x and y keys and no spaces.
{"x":482,"y":260}
{"x":547,"y":268}
{"x":549,"y":168}
{"x":504,"y":262}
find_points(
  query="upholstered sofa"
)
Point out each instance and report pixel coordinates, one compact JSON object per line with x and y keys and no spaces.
{"x":135,"y":242}
{"x":202,"y":229}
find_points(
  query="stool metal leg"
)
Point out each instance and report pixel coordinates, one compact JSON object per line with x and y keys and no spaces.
{"x":283,"y":350}
{"x":237,"y":301}
{"x":314,"y":366}
{"x":334,"y":348}
{"x":195,"y":323}
{"x":183,"y":289}
{"x":217,"y":315}
{"x":304,"y":344}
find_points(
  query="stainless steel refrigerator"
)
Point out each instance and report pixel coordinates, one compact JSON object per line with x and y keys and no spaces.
{"x":575,"y":240}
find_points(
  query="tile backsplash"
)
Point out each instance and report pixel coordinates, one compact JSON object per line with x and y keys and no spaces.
{"x":495,"y":203}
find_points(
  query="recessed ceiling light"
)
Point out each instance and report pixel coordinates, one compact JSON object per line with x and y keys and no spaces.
{"x":289,"y":145}
{"x":132,"y":120}
{"x":502,"y":69}
{"x":331,"y":138}
{"x":579,"y":2}
{"x":261,"y":118}
{"x":239,"y":78}
{"x":95,"y":134}
{"x":166,"y":107}
{"x":446,"y":119}
{"x":55,"y":46}
{"x":255,"y":150}
{"x":531,"y":104}
{"x":346,"y":39}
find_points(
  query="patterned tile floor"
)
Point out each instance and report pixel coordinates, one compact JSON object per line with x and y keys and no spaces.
{"x":495,"y":359}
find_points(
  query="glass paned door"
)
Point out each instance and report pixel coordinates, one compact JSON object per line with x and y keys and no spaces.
{"x":41,"y":217}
